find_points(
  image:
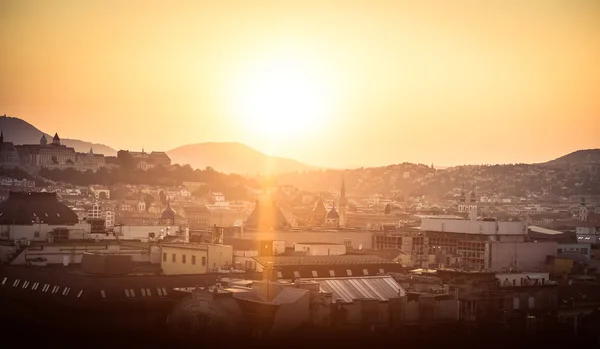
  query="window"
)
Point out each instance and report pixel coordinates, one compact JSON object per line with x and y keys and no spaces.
{"x":194,"y":260}
{"x":159,"y":291}
{"x":79,"y":294}
{"x":516,"y":303}
{"x":46,"y":288}
{"x":331,"y":273}
{"x":349,"y":272}
{"x":173,"y":258}
{"x":16,"y":283}
{"x":381,"y":271}
{"x":203,"y":261}
{"x":127,"y":293}
{"x":25,"y":284}
{"x":35,"y":286}
{"x":164,"y":290}
{"x":148,"y":293}
{"x":4,"y":281}
{"x":102,"y":294}
{"x":36,"y":234}
{"x":314,"y":274}
{"x":164,"y":257}
{"x":366,"y":272}
{"x":296,"y":274}
{"x":143,"y":292}
{"x":66,"y":291}
{"x":131,"y":292}
{"x":279,"y":275}
{"x":55,"y":289}
{"x":183,"y":258}
{"x":531,"y":302}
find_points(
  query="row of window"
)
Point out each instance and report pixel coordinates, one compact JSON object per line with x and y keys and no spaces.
{"x":183,"y":259}
{"x":331,"y":273}
{"x":45,"y":288}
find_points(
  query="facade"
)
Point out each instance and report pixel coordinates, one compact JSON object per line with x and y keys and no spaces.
{"x":469,"y":244}
{"x":320,"y":248}
{"x":146,"y":161}
{"x":36,"y":216}
{"x":194,"y":258}
{"x":51,"y":155}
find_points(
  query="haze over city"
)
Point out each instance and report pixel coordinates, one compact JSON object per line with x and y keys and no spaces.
{"x":337,"y":83}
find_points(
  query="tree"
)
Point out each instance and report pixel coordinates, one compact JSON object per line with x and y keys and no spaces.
{"x":148,"y":200}
{"x":163,"y":197}
{"x":125,"y":159}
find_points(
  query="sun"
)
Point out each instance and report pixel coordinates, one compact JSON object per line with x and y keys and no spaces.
{"x":282,"y":97}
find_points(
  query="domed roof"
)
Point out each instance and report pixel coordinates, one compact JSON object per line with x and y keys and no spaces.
{"x":333,"y":214}
{"x":168,"y":213}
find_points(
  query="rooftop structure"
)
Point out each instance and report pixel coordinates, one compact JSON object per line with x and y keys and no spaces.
{"x":29,"y":208}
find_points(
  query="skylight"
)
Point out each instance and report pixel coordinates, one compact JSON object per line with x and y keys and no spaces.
{"x":79,"y":294}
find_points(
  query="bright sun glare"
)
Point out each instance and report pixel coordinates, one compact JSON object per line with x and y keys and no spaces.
{"x":282,"y":98}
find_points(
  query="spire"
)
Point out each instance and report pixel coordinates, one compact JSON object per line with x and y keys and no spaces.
{"x":91,"y":151}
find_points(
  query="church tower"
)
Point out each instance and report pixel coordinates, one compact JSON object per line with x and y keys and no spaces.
{"x":583,"y":211}
{"x":343,"y":204}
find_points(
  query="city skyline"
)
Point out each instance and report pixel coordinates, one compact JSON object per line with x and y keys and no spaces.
{"x":324,"y":84}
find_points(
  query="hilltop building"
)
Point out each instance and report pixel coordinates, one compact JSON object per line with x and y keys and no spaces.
{"x":51,"y":155}
{"x":145,"y":161}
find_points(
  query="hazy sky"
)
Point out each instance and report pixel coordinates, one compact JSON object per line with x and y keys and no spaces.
{"x":334,"y":83}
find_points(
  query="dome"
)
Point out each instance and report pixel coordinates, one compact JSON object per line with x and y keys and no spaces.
{"x":333,"y":214}
{"x":168,"y":213}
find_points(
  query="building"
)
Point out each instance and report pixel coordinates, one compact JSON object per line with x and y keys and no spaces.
{"x":198,"y":217}
{"x":470,"y":244}
{"x":266,"y":216}
{"x":37,"y":217}
{"x":9,"y":156}
{"x":295,"y":267}
{"x":317,"y":218}
{"x":145,"y":161}
{"x":100,"y":193}
{"x":195,"y":258}
{"x":467,"y":204}
{"x":320,"y":248}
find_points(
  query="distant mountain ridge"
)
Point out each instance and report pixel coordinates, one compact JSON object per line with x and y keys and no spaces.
{"x":233,"y":157}
{"x":579,"y":157}
{"x":19,"y":131}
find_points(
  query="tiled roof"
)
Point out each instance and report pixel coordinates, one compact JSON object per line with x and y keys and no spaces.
{"x":26,"y":208}
{"x":320,"y":260}
{"x":349,"y":289}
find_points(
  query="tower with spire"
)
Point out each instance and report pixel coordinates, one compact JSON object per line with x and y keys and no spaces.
{"x":583,"y":211}
{"x":56,"y":139}
{"x":343,"y":204}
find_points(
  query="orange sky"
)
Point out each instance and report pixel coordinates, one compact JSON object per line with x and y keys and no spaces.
{"x":417,"y":81}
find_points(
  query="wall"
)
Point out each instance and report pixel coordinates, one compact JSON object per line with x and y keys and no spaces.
{"x":219,"y":256}
{"x":581,"y":248}
{"x":18,"y":232}
{"x":140,"y":232}
{"x":472,"y":227}
{"x":54,"y":254}
{"x":321,"y":250}
{"x":529,"y":256}
{"x":178,"y":267}
{"x":364,"y":238}
{"x":516,"y":278}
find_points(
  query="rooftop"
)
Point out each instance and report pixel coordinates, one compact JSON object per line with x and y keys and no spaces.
{"x":281,"y":261}
{"x":349,"y":289}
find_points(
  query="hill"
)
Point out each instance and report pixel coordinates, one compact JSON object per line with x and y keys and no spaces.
{"x":233,"y":157}
{"x":19,"y":131}
{"x":579,"y":157}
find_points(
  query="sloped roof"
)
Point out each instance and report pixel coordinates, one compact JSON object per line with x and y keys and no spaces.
{"x":333,"y":214}
{"x":26,"y":208}
{"x":349,"y":289}
{"x":320,"y":207}
{"x":159,"y":155}
{"x":266,"y":216}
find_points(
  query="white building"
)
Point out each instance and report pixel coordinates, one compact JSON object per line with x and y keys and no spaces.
{"x":320,"y":248}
